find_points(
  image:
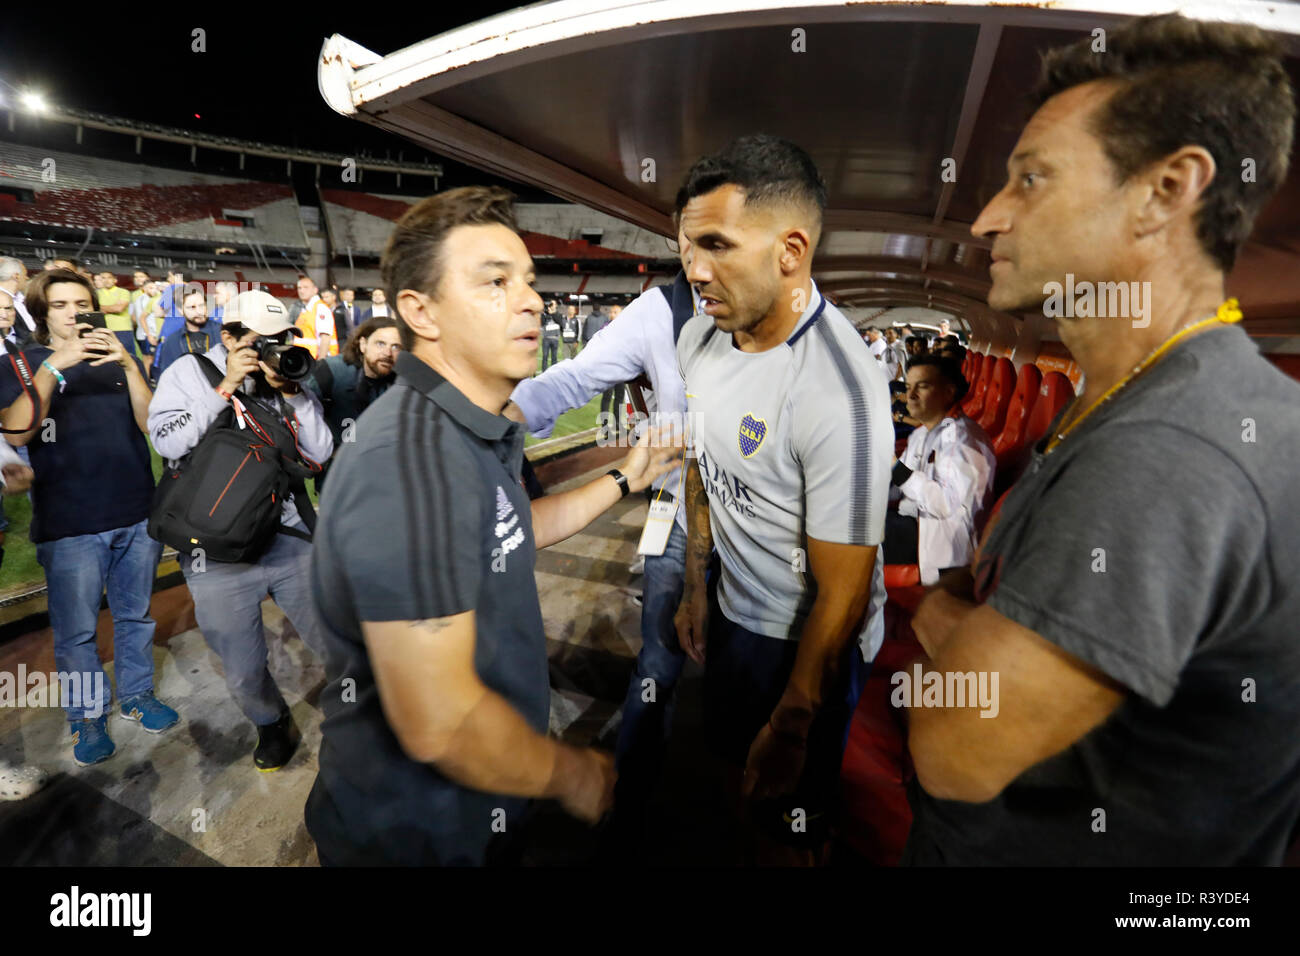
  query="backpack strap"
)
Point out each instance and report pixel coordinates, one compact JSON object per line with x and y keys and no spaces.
{"x":214,"y":374}
{"x":680,"y":301}
{"x":290,"y":455}
{"x":302,"y":503}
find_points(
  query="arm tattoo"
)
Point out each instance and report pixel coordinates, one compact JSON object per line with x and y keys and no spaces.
{"x":699,"y":536}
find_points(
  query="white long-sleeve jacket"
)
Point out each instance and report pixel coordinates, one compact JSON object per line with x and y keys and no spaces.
{"x":949,"y":491}
{"x":185,"y":406}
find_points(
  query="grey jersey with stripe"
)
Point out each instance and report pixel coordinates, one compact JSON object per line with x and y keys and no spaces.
{"x":792,"y":443}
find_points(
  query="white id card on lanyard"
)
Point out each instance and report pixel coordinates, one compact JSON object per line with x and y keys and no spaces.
{"x":658,"y":526}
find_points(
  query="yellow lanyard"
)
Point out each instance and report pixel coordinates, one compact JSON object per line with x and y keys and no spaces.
{"x":1228,"y":313}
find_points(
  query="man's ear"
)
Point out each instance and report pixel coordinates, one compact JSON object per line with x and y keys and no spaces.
{"x":795,"y":249}
{"x":1176,"y":185}
{"x":418,"y":311}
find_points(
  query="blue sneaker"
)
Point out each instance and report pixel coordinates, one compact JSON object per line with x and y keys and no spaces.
{"x":153,"y":714}
{"x":90,"y":741}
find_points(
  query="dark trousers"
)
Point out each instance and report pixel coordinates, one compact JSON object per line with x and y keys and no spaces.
{"x":745,"y":675}
{"x":550,"y":351}
{"x":900,"y":538}
{"x":611,"y":401}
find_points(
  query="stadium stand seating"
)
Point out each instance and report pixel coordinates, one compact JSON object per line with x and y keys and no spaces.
{"x":973,"y":404}
{"x":134,"y":199}
{"x":997,"y":396}
{"x":1053,"y":395}
{"x":1008,"y":442}
{"x":361,"y":222}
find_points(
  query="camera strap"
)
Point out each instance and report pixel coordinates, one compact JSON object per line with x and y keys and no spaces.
{"x":24,"y":373}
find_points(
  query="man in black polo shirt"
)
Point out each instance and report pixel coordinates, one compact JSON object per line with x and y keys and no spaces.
{"x":1138,"y":596}
{"x":438,"y":700}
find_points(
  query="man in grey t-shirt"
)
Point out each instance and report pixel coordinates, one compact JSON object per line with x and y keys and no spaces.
{"x":1137,"y":589}
{"x":791,"y":432}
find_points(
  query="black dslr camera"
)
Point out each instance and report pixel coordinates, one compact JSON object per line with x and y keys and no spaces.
{"x":292,"y":362}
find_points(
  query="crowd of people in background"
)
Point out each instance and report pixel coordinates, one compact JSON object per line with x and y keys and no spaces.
{"x":102,"y":391}
{"x":147,"y":330}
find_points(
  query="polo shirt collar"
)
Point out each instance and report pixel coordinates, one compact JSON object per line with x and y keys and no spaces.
{"x":423,"y":378}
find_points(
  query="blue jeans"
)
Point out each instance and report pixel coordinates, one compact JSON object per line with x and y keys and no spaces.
{"x":550,"y":351}
{"x":77,"y":570}
{"x":228,"y":609}
{"x":643,"y":735}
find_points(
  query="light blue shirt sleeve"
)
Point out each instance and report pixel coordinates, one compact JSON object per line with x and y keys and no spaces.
{"x":616,"y":354}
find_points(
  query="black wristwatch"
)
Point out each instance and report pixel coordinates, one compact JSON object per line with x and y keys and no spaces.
{"x":621,"y":479}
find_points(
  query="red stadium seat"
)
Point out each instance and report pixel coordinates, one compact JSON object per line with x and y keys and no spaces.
{"x":1010,"y":441}
{"x":973,"y":404}
{"x":997,"y":396}
{"x":1053,"y":395}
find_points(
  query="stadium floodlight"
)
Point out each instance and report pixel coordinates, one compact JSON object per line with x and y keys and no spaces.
{"x":34,"y":102}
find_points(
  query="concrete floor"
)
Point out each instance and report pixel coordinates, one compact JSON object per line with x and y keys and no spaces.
{"x":191,"y":796}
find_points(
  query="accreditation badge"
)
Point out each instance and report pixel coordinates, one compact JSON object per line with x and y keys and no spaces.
{"x":658,"y":526}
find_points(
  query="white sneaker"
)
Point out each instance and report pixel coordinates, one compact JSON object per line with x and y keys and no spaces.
{"x":638,"y":566}
{"x":17,"y":783}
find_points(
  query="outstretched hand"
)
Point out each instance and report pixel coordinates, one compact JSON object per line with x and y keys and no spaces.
{"x":657,"y":453}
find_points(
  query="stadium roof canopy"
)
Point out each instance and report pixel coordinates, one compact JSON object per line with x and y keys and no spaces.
{"x":608,"y":103}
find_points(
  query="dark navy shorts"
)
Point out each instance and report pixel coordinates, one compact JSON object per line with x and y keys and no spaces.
{"x":745,"y":675}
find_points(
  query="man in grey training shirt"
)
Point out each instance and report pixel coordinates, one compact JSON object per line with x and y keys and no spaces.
{"x":792,"y":437}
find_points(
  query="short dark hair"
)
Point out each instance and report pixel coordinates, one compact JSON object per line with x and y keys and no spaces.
{"x":1221,"y":86}
{"x":949,"y":371}
{"x":769,"y":170}
{"x":951,"y":350}
{"x":38,"y":302}
{"x":352,"y":349}
{"x":413,"y":257}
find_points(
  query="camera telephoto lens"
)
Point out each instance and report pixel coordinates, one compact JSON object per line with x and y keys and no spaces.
{"x":295,"y":362}
{"x":288,"y":361}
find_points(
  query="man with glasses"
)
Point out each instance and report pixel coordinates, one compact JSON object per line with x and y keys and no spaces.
{"x":228,"y":596}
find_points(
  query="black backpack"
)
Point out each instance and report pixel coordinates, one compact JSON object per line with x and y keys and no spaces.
{"x":226,"y":495}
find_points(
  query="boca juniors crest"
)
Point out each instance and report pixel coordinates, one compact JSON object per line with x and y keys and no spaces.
{"x":752,"y":432}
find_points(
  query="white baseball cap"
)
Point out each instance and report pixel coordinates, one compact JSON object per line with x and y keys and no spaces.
{"x":259,"y":312}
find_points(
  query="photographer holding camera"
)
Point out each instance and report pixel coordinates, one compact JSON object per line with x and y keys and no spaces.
{"x":261,"y":374}
{"x":90,"y":498}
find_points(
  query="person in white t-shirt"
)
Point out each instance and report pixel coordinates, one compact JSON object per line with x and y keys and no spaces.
{"x":877,"y":345}
{"x":378,"y":306}
{"x":894,"y":357}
